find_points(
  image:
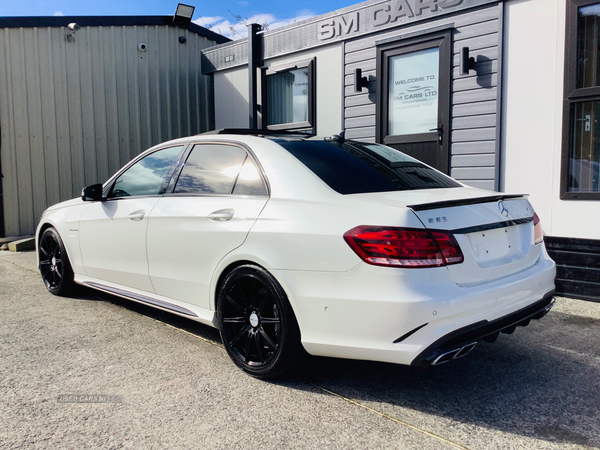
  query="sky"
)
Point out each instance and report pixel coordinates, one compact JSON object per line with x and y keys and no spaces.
{"x":227,"y":17}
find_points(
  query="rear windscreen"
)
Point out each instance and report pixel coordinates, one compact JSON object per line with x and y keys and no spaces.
{"x":355,"y":168}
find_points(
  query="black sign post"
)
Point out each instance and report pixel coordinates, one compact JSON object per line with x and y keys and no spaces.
{"x":254,"y":62}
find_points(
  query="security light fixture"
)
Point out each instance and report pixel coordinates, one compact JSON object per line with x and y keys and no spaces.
{"x":359,"y":81}
{"x":466,"y":62}
{"x":183,"y":15}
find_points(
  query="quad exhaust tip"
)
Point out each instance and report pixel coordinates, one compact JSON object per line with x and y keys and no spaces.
{"x":437,"y":358}
{"x":454,"y":354}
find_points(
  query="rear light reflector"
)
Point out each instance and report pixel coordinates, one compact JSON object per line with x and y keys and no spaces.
{"x":404,"y":247}
{"x":537,"y":227}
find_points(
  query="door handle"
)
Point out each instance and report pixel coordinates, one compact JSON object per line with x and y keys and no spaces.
{"x":137,"y":215}
{"x":440,"y":132}
{"x":587,"y":121}
{"x":221,"y":215}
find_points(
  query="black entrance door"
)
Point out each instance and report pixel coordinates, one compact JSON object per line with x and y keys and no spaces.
{"x":413,"y":103}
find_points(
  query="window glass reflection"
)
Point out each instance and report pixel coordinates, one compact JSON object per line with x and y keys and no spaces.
{"x":588,"y":39}
{"x":352,"y":167}
{"x":287,"y":97}
{"x":584,"y":158}
{"x":249,"y":181}
{"x":210,"y":169}
{"x":147,"y":175}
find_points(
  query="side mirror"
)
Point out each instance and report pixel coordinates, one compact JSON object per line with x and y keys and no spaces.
{"x":92,"y":193}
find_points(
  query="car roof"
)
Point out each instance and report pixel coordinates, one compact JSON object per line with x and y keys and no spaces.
{"x":247,"y":136}
{"x":287,"y":176}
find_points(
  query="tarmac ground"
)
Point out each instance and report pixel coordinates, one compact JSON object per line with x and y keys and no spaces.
{"x":95,"y":371}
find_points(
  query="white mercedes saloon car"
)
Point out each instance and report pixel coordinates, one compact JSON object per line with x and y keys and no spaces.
{"x":291,"y":245}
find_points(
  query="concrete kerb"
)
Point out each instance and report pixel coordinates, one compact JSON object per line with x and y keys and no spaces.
{"x":6,"y":240}
{"x":22,"y":245}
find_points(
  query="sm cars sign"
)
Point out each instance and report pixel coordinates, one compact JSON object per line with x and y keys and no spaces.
{"x":386,"y":14}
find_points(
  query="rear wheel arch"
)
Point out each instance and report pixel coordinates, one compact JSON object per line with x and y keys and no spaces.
{"x":257,"y":323}
{"x":232,"y":266}
{"x":226,"y":271}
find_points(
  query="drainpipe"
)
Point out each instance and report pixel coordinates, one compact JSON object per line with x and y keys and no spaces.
{"x":2,"y":231}
{"x":499,"y":157}
{"x":255,"y":51}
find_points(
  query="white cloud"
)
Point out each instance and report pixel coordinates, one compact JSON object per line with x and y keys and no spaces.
{"x":207,"y":21}
{"x":244,"y":3}
{"x":299,"y":17}
{"x":59,"y":13}
{"x":238,"y":28}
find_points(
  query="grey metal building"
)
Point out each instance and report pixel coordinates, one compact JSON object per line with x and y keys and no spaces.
{"x":81,"y":96}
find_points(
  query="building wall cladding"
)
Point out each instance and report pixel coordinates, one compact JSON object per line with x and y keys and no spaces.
{"x":474,"y":96}
{"x":74,"y":110}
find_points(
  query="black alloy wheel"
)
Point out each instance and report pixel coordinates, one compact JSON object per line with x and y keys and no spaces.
{"x":257,"y":324}
{"x":54,"y":263}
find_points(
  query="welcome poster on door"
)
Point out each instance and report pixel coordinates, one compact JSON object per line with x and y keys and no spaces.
{"x":413,"y":92}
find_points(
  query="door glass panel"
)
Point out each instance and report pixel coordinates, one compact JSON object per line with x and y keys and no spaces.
{"x":584,"y":158}
{"x":146,"y":176}
{"x":413,"y":92}
{"x":588,"y":51}
{"x":210,"y":169}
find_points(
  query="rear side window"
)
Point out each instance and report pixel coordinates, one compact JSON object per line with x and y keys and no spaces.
{"x":249,"y":181}
{"x":210,"y":169}
{"x":219,"y":169}
{"x":354,"y":168}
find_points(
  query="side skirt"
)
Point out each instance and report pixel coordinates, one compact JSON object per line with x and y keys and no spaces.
{"x":202,"y":316}
{"x":142,"y":299}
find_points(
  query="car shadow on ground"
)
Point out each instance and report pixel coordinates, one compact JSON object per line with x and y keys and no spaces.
{"x":541,"y":382}
{"x":191,"y":326}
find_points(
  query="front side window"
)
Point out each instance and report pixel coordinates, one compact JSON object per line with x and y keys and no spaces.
{"x":581,"y":145}
{"x":288,"y":97}
{"x":146,"y":177}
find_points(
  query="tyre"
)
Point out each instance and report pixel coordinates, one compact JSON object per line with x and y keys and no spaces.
{"x":257,"y":323}
{"x":54,"y":263}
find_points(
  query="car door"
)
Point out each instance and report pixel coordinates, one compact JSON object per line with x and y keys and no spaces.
{"x":112,"y":233}
{"x":217,"y":197}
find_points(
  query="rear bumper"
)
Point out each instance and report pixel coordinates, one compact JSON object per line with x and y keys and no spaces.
{"x":409,"y":316}
{"x":460,"y":342}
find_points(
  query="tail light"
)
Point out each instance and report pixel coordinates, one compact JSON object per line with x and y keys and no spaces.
{"x":537,"y":227}
{"x":404,"y":247}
